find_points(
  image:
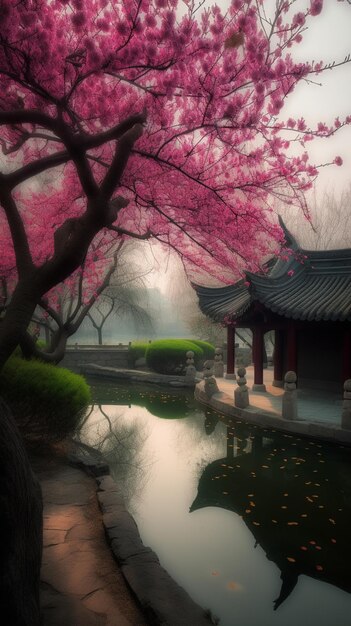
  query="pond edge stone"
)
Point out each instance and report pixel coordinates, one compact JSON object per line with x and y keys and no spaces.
{"x":317,"y":430}
{"x":162,"y":600}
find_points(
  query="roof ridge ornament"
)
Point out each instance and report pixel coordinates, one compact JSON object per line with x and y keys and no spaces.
{"x":290,"y":241}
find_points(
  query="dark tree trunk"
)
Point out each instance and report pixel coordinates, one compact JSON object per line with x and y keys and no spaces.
{"x":99,"y":332}
{"x":18,"y":316}
{"x":57,"y":348}
{"x":20,"y":529}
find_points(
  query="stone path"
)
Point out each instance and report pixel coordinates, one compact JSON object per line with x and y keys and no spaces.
{"x":314,"y":405}
{"x":81,"y":583}
{"x":319,"y":413}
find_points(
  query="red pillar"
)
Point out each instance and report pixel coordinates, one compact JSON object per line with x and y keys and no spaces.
{"x":230,"y":352}
{"x":258,"y":359}
{"x":278,"y":358}
{"x":292,"y":349}
{"x":346,"y":360}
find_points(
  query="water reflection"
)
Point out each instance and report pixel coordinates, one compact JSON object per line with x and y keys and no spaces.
{"x":293,"y":495}
{"x":168,"y":404}
{"x":290,"y":496}
{"x":121,"y":444}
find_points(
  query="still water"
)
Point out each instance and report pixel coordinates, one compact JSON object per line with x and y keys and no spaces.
{"x":254,"y":524}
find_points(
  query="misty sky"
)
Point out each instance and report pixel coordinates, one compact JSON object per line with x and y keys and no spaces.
{"x":328,"y":38}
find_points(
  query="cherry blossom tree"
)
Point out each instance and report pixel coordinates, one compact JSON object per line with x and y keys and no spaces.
{"x":146,"y":119}
{"x":112,"y":283}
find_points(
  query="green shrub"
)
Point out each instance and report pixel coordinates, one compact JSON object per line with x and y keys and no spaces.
{"x":137,"y":350}
{"x":207,"y":348}
{"x":168,"y":356}
{"x":40,"y":343}
{"x":48,"y":402}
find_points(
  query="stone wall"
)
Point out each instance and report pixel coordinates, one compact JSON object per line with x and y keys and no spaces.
{"x":107,"y":356}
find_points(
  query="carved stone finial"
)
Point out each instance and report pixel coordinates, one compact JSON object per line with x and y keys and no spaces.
{"x":190,"y":357}
{"x":290,"y":377}
{"x":190,"y":370}
{"x":208,"y":369}
{"x":210,"y":386}
{"x":241,"y":393}
{"x":218,"y":366}
{"x":289,"y":405}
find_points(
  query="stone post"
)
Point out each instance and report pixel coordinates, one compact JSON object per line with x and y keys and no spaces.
{"x":241,"y":393}
{"x":289,"y":406}
{"x":346,"y":406}
{"x":218,"y":367}
{"x":190,"y":370}
{"x":210,"y":381}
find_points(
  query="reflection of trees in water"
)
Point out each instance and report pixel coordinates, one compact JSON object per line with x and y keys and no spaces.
{"x":120,"y":444}
{"x":159,"y":401}
{"x":294,"y":497}
{"x":190,"y":439}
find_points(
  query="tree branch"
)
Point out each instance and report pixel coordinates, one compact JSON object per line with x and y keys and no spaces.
{"x":119,"y":161}
{"x":24,"y":260}
{"x":86,"y":308}
{"x":83,"y":142}
{"x":123,"y":231}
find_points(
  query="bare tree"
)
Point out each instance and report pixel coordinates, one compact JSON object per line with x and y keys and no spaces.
{"x":118,"y":291}
{"x":330,"y":225}
{"x":121,"y":299}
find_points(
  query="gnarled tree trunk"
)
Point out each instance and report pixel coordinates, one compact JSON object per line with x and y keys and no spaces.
{"x":20,"y":529}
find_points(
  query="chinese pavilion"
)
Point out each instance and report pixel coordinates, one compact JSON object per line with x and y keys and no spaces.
{"x":305,"y":298}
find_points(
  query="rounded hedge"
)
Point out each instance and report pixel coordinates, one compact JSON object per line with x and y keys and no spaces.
{"x":47,"y":402}
{"x":207,"y":348}
{"x":137,"y":350}
{"x":168,"y":356}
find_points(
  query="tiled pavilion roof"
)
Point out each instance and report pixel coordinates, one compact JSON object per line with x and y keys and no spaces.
{"x":305,"y":285}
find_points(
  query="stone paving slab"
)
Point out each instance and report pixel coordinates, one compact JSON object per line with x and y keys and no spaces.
{"x":80,"y":582}
{"x":96,"y":571}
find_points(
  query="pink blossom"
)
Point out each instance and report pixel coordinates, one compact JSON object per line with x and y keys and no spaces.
{"x":316,"y":7}
{"x":299,"y":19}
{"x":338,"y":160}
{"x":150,"y":21}
{"x":209,"y":121}
{"x":290,"y":273}
{"x":103,"y":25}
{"x":78,"y":19}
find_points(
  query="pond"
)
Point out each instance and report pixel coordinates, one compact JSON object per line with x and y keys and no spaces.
{"x":253,"y":523}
